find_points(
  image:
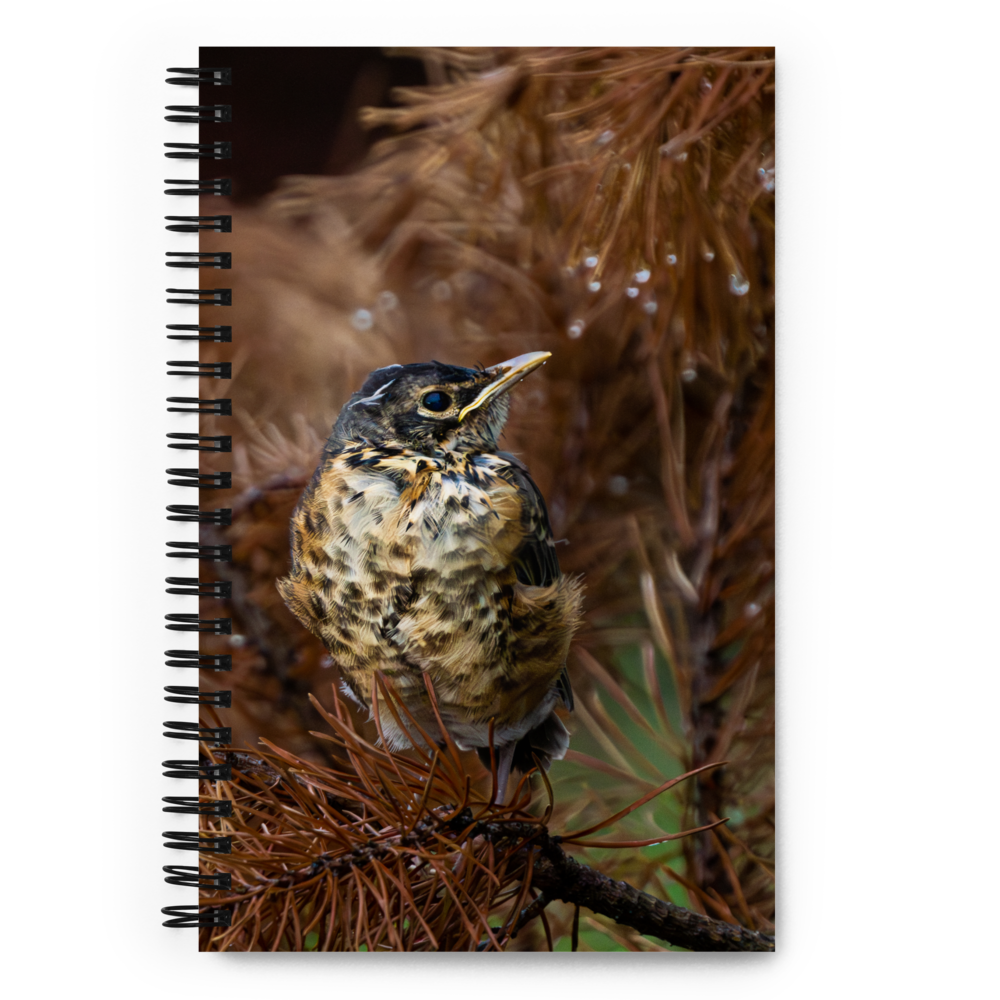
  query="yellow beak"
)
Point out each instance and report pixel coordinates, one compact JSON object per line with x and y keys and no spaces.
{"x":507,"y":372}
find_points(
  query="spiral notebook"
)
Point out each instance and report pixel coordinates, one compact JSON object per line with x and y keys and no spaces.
{"x":297,"y":266}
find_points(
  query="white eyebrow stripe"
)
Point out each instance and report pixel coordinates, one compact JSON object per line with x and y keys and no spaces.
{"x":375,"y":397}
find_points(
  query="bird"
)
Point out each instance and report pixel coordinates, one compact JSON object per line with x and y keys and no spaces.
{"x":419,"y":549}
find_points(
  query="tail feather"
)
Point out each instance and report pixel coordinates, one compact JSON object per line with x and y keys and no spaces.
{"x":548,"y":742}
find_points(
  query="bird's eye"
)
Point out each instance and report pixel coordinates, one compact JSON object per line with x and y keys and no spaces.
{"x":436,"y":401}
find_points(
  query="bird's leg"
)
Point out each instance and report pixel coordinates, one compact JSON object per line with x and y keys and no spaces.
{"x":505,"y":757}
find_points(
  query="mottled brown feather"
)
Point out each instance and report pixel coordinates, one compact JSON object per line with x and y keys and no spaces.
{"x":409,"y":563}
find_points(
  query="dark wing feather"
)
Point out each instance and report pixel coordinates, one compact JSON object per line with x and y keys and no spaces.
{"x":535,"y":560}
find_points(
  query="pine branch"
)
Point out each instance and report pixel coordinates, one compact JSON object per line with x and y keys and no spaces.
{"x":554,"y":873}
{"x":560,"y":876}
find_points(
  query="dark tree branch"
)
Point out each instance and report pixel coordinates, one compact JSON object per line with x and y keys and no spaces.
{"x":561,"y":877}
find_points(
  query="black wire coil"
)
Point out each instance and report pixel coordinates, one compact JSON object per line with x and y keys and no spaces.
{"x":216,"y":185}
{"x":191,"y":805}
{"x":220,"y":261}
{"x":221,"y":442}
{"x":213,"y":407}
{"x":193,"y":223}
{"x":189,"y":875}
{"x":202,"y":296}
{"x":195,"y":696}
{"x":190,"y":915}
{"x":191,"y":586}
{"x":220,"y":76}
{"x":206,"y":369}
{"x":205,"y":626}
{"x":201,"y":480}
{"x":201,"y":769}
{"x":218,"y":736}
{"x":189,"y":512}
{"x":200,"y":150}
{"x":199,"y":661}
{"x":195,"y":113}
{"x":217,"y":334}
{"x":178,"y":840}
{"x":195,"y":550}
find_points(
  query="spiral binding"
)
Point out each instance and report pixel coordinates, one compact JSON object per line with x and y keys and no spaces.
{"x":218,"y":334}
{"x":189,"y":875}
{"x":191,"y":586}
{"x":200,"y":150}
{"x":215,"y":734}
{"x":216,"y":185}
{"x":222,"y":442}
{"x":191,"y":805}
{"x":196,"y":733}
{"x":192,"y":223}
{"x":181,"y":695}
{"x":220,"y":77}
{"x":193,"y":113}
{"x":201,"y":769}
{"x":222,"y":261}
{"x":201,"y":297}
{"x":197,"y":660}
{"x":190,"y":512}
{"x":195,"y":916}
{"x":206,"y":369}
{"x":194,"y":550}
{"x":201,"y":480}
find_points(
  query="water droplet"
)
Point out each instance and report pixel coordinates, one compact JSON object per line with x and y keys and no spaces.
{"x":618,"y":486}
{"x":591,"y":262}
{"x":387,"y":300}
{"x":766,"y":178}
{"x":671,"y":259}
{"x":440,"y":291}
{"x":325,"y":662}
{"x":605,"y":137}
{"x":705,"y":85}
{"x":676,"y":148}
{"x":739,"y":285}
{"x":641,"y":277}
{"x":753,"y":608}
{"x":575,"y":330}
{"x":688,"y":375}
{"x":631,"y":292}
{"x":594,"y":286}
{"x":650,"y":307}
{"x":237,"y":640}
{"x":626,"y":166}
{"x":362,"y":320}
{"x":708,"y":255}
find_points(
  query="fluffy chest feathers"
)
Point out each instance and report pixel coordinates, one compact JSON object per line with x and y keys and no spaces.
{"x":407,"y":563}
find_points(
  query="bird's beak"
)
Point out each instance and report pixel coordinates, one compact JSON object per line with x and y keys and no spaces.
{"x":507,"y":373}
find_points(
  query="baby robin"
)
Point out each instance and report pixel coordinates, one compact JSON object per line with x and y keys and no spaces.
{"x":419,"y":548}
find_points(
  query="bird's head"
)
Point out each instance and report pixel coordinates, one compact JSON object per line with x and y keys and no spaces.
{"x":426,"y":406}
